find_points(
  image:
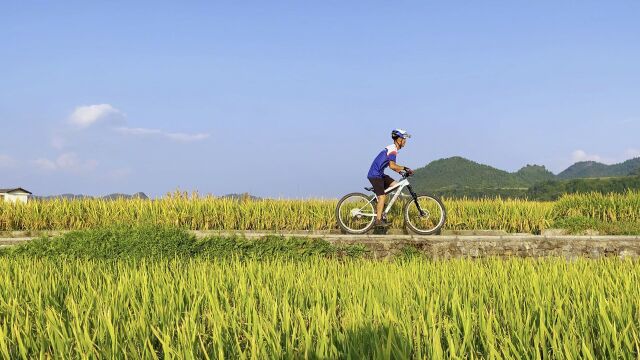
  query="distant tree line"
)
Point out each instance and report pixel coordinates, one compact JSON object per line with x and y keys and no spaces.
{"x":551,"y":190}
{"x":546,"y":190}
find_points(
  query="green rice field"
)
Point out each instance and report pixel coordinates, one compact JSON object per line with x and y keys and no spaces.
{"x":319,"y":308}
{"x":209,"y":213}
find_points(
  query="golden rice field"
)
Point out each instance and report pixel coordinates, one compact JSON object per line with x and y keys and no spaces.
{"x":210,"y":213}
{"x":321,"y":308}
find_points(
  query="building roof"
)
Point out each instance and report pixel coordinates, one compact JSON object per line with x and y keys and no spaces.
{"x":8,"y":191}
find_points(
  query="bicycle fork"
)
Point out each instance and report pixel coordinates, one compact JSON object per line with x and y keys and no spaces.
{"x":415,"y":200}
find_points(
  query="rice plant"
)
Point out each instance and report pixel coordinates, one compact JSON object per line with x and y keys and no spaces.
{"x":209,"y":213}
{"x":197,"y":309}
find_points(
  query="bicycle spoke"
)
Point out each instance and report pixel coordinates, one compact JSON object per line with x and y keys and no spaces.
{"x":356,"y":213}
{"x":431,"y":217}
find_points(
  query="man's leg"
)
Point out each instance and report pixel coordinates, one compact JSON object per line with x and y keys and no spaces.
{"x":388,"y":182}
{"x":380,"y":207}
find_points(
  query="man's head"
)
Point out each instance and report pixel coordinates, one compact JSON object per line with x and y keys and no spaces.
{"x":400,"y":137}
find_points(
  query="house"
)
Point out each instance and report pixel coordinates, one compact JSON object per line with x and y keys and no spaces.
{"x":14,"y":195}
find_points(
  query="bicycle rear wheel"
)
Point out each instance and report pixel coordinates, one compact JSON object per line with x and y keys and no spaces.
{"x":430,"y":220}
{"x":356,"y":213}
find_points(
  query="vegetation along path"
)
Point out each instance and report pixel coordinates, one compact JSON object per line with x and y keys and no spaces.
{"x":159,"y":292}
{"x":446,"y":246}
{"x":612,"y":214}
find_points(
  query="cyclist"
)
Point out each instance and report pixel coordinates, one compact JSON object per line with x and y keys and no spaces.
{"x":377,"y":177}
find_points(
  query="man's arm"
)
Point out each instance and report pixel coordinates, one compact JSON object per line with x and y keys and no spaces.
{"x":397,"y":168}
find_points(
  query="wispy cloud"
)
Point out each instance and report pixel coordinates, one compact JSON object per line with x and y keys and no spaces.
{"x":66,"y":161}
{"x":88,"y":115}
{"x":633,"y":153}
{"x":45,"y":164}
{"x":138,"y":131}
{"x":84,"y":117}
{"x":120,"y":174}
{"x":187,"y":137}
{"x":91,"y":121}
{"x":581,"y":155}
{"x":58,"y":142}
{"x":180,"y":137}
{"x":6,"y":161}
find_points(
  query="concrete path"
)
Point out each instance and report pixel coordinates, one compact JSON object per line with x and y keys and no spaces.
{"x":451,"y":246}
{"x":31,"y":234}
{"x":14,"y":241}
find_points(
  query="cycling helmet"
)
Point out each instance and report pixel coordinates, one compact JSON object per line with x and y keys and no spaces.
{"x":399,"y":133}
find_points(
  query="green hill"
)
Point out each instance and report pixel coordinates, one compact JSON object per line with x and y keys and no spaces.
{"x":592,"y":169}
{"x":533,"y":174}
{"x":459,"y":177}
{"x":635,"y":172}
{"x":458,"y":172}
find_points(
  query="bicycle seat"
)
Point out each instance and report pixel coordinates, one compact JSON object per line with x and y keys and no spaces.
{"x":369,"y":188}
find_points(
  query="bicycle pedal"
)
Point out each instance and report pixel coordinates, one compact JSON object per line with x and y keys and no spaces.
{"x":380,"y":231}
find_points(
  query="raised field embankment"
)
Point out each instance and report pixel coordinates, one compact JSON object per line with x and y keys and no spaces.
{"x":476,"y":244}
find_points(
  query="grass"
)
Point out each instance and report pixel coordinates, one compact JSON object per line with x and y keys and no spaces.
{"x":209,"y":213}
{"x":161,"y":242}
{"x":319,"y":308}
{"x":158,"y":292}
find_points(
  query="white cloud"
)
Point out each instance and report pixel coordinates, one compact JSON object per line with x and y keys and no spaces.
{"x":45,"y":164}
{"x":58,"y":142}
{"x":181,"y":137}
{"x":66,"y":161}
{"x":581,"y":155}
{"x":187,"y":137}
{"x":138,"y":131}
{"x":6,"y":161}
{"x":85,"y":116}
{"x":632,"y":153}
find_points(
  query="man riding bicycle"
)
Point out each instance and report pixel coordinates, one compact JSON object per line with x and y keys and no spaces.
{"x":377,"y":177}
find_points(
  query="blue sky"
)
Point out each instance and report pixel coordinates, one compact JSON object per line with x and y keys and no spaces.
{"x":294,"y":99}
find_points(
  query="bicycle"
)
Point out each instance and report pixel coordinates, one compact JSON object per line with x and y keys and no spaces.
{"x":423,"y":214}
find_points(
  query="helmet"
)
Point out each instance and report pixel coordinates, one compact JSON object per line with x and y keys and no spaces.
{"x":399,"y":133}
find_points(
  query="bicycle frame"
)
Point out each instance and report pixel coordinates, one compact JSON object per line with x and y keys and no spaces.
{"x":398,"y":188}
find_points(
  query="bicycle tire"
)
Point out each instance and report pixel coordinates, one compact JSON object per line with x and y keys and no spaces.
{"x":433,"y":231}
{"x":344,"y":227}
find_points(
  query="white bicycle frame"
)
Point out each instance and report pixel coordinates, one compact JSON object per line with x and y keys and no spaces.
{"x":397,"y":188}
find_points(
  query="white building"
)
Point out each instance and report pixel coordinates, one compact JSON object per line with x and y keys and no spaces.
{"x":14,"y":195}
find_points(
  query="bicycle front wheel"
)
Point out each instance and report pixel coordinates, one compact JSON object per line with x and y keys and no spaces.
{"x":356,"y":213}
{"x":425,"y":216}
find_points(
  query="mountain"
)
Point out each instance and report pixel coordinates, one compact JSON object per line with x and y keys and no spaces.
{"x":460,"y":173}
{"x":138,"y":195}
{"x":457,"y":177}
{"x":244,"y":196}
{"x":533,"y":174}
{"x":593,"y":169}
{"x":63,"y":196}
